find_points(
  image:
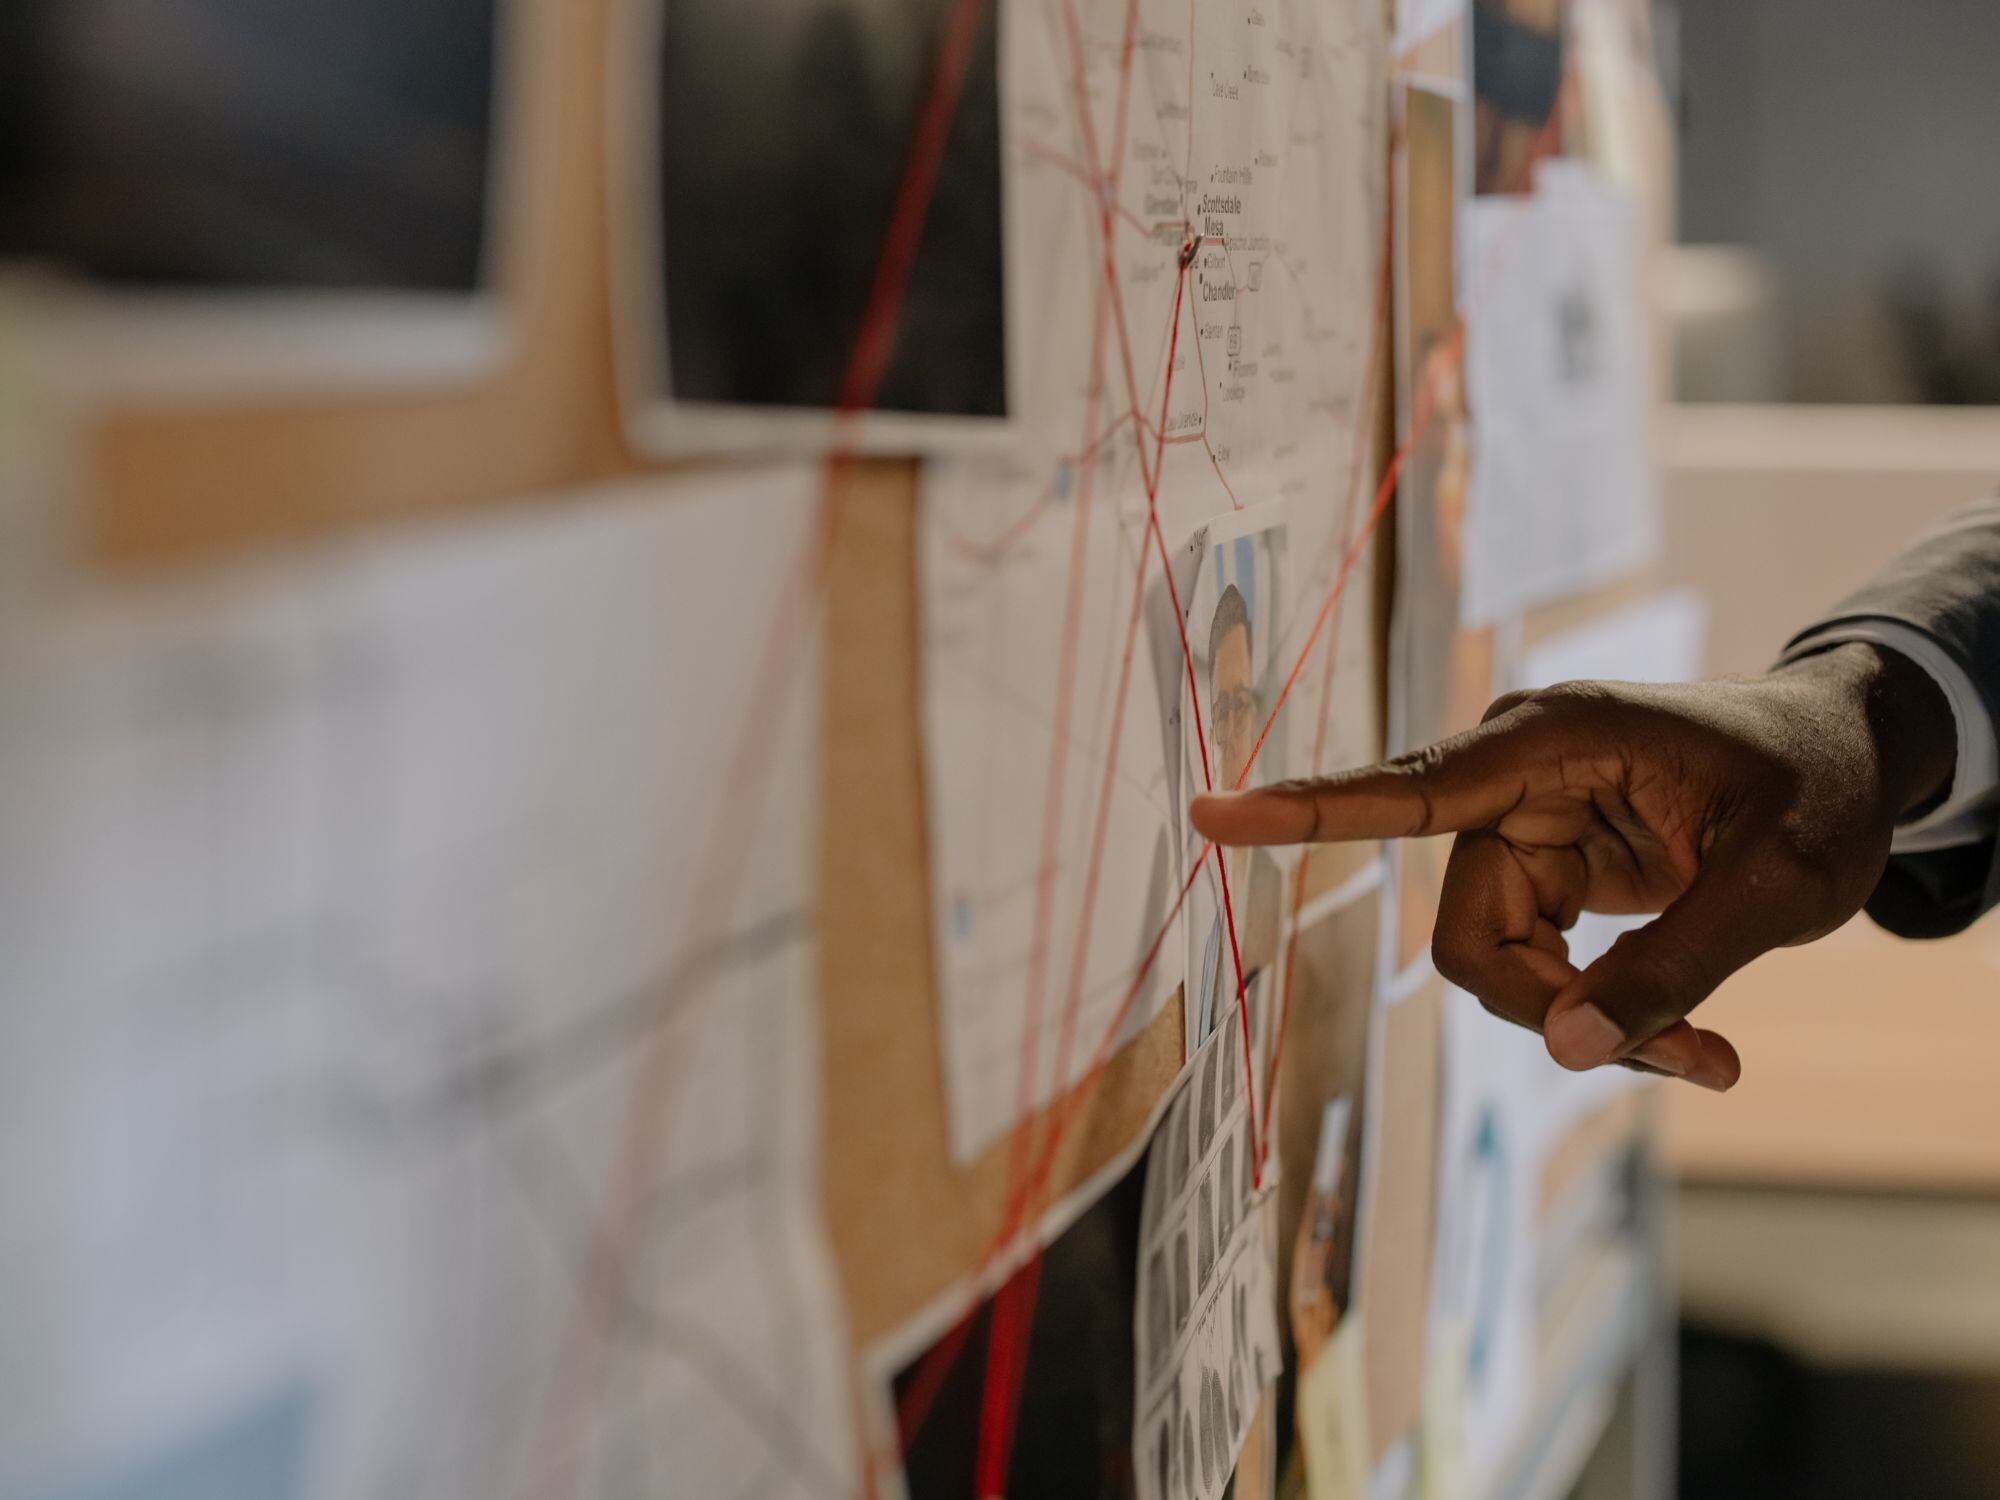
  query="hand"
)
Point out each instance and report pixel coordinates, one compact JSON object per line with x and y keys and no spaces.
{"x":1749,"y":813}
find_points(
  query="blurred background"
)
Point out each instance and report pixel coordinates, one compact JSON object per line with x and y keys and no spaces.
{"x":1840,"y":239}
{"x":1836,"y":303}
{"x":1833,"y":307}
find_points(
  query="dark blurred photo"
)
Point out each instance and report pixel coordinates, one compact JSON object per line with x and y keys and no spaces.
{"x":194,"y":144}
{"x":1517,"y":71}
{"x":1073,"y":1430}
{"x":784,"y":131}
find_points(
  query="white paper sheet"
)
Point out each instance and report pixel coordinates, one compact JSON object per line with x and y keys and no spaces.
{"x":1565,"y":490}
{"x":1261,"y":134}
{"x":347,"y":907}
{"x":1205,"y":1319}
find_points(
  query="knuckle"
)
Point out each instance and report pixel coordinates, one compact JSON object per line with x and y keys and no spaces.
{"x":1796,"y":865}
{"x":1799,"y":873}
{"x":1303,"y":786}
{"x":1417,"y":770}
{"x":1427,"y":761}
{"x":1663,"y":978}
{"x":1506,"y":703}
{"x":1498,"y":1007}
{"x":1462,"y":958}
{"x":1575,"y":695}
{"x":1456,"y":957}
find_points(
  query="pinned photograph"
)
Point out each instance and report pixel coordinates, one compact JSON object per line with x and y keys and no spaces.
{"x":1075,"y":1365}
{"x":1323,"y":1129}
{"x":1518,"y":57}
{"x":1233,"y":731}
{"x":807,"y":201}
{"x":1200,"y":1396}
{"x":222,"y":196}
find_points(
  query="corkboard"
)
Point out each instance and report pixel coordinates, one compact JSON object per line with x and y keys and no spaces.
{"x":170,"y":484}
{"x":183,"y":482}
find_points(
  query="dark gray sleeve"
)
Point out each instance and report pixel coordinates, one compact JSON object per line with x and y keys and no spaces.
{"x":1946,"y":585}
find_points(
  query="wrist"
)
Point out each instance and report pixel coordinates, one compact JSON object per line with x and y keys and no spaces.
{"x":1904,"y":712}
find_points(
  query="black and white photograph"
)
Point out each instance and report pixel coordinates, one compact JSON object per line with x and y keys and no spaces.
{"x":1202,"y":1395}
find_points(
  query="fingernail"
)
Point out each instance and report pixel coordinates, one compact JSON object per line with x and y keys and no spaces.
{"x":1584,"y":1037}
{"x":1651,"y":1070}
{"x":1658,"y":1062}
{"x":1715,"y":1083}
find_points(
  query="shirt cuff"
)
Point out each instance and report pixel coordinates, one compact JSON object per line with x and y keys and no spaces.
{"x":1968,"y":814}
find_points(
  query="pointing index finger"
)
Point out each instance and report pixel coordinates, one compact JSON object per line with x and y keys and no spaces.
{"x":1470,"y":781}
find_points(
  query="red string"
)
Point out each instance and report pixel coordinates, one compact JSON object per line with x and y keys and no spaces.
{"x":1013,"y":1314}
{"x":558,"y":1445}
{"x":1009,"y":1321}
{"x":938,"y":1360}
{"x":1080,"y":951}
{"x":1378,"y":337}
{"x":1026,"y":1070}
{"x":1013,"y":1309}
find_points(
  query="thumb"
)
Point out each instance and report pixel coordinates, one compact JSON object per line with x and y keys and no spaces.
{"x":1650,"y":979}
{"x":1469,"y":781}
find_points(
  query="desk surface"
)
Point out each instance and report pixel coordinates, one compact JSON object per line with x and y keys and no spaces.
{"x":1868,"y":1062}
